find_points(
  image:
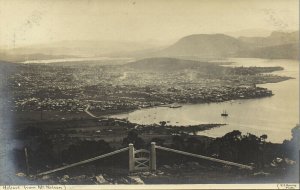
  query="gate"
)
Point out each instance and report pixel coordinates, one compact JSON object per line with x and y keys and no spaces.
{"x":142,"y":159}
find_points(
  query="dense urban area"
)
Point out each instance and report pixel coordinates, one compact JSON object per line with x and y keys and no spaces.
{"x":119,"y":88}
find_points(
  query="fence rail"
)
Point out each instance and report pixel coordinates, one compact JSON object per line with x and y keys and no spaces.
{"x":205,"y":157}
{"x":145,"y":162}
{"x":83,"y":162}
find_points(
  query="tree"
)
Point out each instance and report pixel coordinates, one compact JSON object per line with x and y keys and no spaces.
{"x":178,"y":142}
{"x":262,"y":150}
{"x":228,"y":145}
{"x":158,"y":141}
{"x":291,"y":147}
{"x":233,"y":136}
{"x":296,"y":136}
{"x":133,"y":137}
{"x":249,"y":149}
{"x":263,"y":138}
{"x":162,"y":123}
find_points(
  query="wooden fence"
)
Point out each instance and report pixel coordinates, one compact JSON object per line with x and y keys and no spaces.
{"x":145,"y":160}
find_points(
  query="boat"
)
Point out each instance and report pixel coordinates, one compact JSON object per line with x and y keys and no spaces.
{"x":224,"y":114}
{"x":175,"y":106}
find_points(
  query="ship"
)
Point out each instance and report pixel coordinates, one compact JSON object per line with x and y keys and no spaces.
{"x":175,"y":106}
{"x":224,"y":114}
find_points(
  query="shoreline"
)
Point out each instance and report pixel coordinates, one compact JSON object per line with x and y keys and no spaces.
{"x":167,"y":106}
{"x":260,"y":85}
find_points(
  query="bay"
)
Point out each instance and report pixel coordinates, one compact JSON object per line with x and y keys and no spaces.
{"x":274,"y":116}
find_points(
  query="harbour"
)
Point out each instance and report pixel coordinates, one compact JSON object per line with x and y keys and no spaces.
{"x":254,"y":116}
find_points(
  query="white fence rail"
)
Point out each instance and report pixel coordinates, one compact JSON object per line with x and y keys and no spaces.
{"x":83,"y":162}
{"x":205,"y":157}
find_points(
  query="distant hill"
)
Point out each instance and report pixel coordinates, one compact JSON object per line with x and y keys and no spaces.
{"x":73,"y":49}
{"x":275,"y":39}
{"x":164,"y":64}
{"x":76,"y":49}
{"x":205,"y":45}
{"x":277,"y":45}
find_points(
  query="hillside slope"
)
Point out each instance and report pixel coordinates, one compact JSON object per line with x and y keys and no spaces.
{"x":205,"y":45}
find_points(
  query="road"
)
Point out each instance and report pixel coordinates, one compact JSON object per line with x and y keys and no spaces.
{"x":88,"y":112}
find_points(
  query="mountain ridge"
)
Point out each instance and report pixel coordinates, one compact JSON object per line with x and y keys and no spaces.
{"x":208,"y":45}
{"x":223,"y":46}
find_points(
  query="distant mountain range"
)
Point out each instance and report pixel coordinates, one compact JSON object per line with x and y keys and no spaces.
{"x":275,"y":39}
{"x":278,"y":45}
{"x":71,"y":49}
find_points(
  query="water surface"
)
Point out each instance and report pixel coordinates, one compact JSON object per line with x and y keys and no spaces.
{"x":274,"y":116}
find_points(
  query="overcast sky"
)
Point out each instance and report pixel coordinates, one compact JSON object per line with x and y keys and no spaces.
{"x":43,"y":21}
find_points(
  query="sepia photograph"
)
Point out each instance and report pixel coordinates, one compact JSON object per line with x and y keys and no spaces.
{"x":160,"y":94}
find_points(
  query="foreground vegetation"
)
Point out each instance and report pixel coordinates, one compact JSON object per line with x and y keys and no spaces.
{"x":269,"y":159}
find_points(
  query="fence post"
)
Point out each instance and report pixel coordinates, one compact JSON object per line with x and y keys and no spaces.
{"x":131,"y":157}
{"x":153,"y":156}
{"x":27,"y":162}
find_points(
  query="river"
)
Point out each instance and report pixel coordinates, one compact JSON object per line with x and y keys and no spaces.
{"x":274,"y":116}
{"x":78,"y":59}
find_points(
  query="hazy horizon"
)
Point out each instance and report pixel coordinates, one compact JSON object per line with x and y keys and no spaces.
{"x":156,"y":22}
